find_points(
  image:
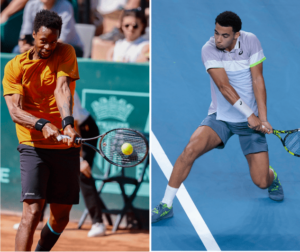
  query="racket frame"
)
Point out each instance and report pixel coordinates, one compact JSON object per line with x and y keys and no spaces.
{"x":277,"y":132}
{"x":79,"y":140}
{"x":112,"y":162}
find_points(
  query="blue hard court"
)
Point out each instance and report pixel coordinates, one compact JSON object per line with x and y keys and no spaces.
{"x":239,"y":215}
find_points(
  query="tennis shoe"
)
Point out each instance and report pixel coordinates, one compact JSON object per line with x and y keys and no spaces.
{"x":161,"y":211}
{"x":275,"y":190}
{"x":98,"y":229}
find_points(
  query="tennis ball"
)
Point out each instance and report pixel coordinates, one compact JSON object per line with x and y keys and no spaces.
{"x":127,"y":148}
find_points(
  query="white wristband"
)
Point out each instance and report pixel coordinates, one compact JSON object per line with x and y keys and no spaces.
{"x":243,"y":107}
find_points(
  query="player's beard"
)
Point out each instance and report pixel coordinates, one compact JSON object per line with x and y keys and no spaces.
{"x":42,"y":57}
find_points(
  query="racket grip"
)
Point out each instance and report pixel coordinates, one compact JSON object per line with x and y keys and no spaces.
{"x":61,"y":137}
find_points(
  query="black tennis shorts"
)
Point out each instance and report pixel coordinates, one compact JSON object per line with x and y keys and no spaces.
{"x":50,"y":174}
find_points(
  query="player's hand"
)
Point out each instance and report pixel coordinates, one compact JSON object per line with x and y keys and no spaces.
{"x":85,"y":168}
{"x":255,"y":123}
{"x":267,"y":127}
{"x":50,"y":131}
{"x":69,"y":131}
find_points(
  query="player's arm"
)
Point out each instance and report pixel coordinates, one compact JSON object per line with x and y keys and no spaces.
{"x":260,"y":93}
{"x":221,"y":80}
{"x":15,"y":107}
{"x":64,"y":101}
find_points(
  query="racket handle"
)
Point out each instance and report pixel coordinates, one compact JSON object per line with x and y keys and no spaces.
{"x":61,"y":137}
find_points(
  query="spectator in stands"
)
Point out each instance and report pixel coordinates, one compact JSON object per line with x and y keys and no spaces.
{"x":133,"y":48}
{"x":112,"y":12}
{"x":9,"y":8}
{"x":68,"y":33}
{"x":107,"y":6}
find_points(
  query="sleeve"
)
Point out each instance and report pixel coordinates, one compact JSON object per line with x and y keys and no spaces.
{"x":256,"y":52}
{"x":210,"y":57}
{"x":67,"y":65}
{"x":27,"y":24}
{"x":12,"y":80}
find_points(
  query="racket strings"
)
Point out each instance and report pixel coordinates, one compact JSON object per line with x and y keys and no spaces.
{"x":292,"y":142}
{"x":112,"y":143}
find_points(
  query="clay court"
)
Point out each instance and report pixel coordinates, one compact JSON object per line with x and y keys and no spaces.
{"x":74,"y":239}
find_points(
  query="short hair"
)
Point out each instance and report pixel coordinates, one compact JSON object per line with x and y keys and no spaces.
{"x":49,"y":19}
{"x":229,"y":19}
{"x":137,"y":13}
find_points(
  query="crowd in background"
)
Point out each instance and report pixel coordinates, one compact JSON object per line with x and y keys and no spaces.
{"x":121,"y":26}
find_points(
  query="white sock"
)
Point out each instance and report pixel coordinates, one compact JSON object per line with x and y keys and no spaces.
{"x":169,"y":195}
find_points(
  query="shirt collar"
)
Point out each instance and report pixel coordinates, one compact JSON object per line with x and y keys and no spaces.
{"x":237,"y":44}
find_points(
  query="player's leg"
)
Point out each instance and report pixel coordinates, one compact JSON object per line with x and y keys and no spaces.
{"x":32,"y":210}
{"x":34,"y":177}
{"x":62,"y":193}
{"x":58,"y":220}
{"x":211,"y":134}
{"x":261,"y":174}
{"x":255,"y":148}
{"x":203,"y":140}
{"x":264,"y":176}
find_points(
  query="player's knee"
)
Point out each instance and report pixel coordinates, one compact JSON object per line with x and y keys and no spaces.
{"x":31,"y":216}
{"x":63,"y":221}
{"x":189,"y":153}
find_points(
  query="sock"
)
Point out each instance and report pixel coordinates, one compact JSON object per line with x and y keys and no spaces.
{"x":169,"y":195}
{"x":39,"y":248}
{"x":48,"y":238}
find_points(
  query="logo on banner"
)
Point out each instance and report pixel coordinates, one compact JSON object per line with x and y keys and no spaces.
{"x":111,"y":113}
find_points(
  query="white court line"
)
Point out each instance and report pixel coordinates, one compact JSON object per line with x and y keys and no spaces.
{"x":184,"y":197}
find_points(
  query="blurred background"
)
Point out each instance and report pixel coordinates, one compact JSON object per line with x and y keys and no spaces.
{"x":111,"y":40}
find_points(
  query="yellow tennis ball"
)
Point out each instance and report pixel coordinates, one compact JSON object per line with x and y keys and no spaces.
{"x":127,"y":148}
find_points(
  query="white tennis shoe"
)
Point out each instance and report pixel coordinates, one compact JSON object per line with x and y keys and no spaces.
{"x":98,"y":229}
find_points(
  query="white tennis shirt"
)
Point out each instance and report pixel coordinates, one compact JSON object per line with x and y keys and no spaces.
{"x":237,"y":63}
{"x":128,"y":51}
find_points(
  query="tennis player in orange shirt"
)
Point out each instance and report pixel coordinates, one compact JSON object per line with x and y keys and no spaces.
{"x":38,"y":89}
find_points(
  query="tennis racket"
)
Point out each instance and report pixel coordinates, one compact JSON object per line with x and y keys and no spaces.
{"x":110,"y":146}
{"x":291,"y":142}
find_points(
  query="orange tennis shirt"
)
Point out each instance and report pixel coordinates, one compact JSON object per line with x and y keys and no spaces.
{"x":36,"y":81}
